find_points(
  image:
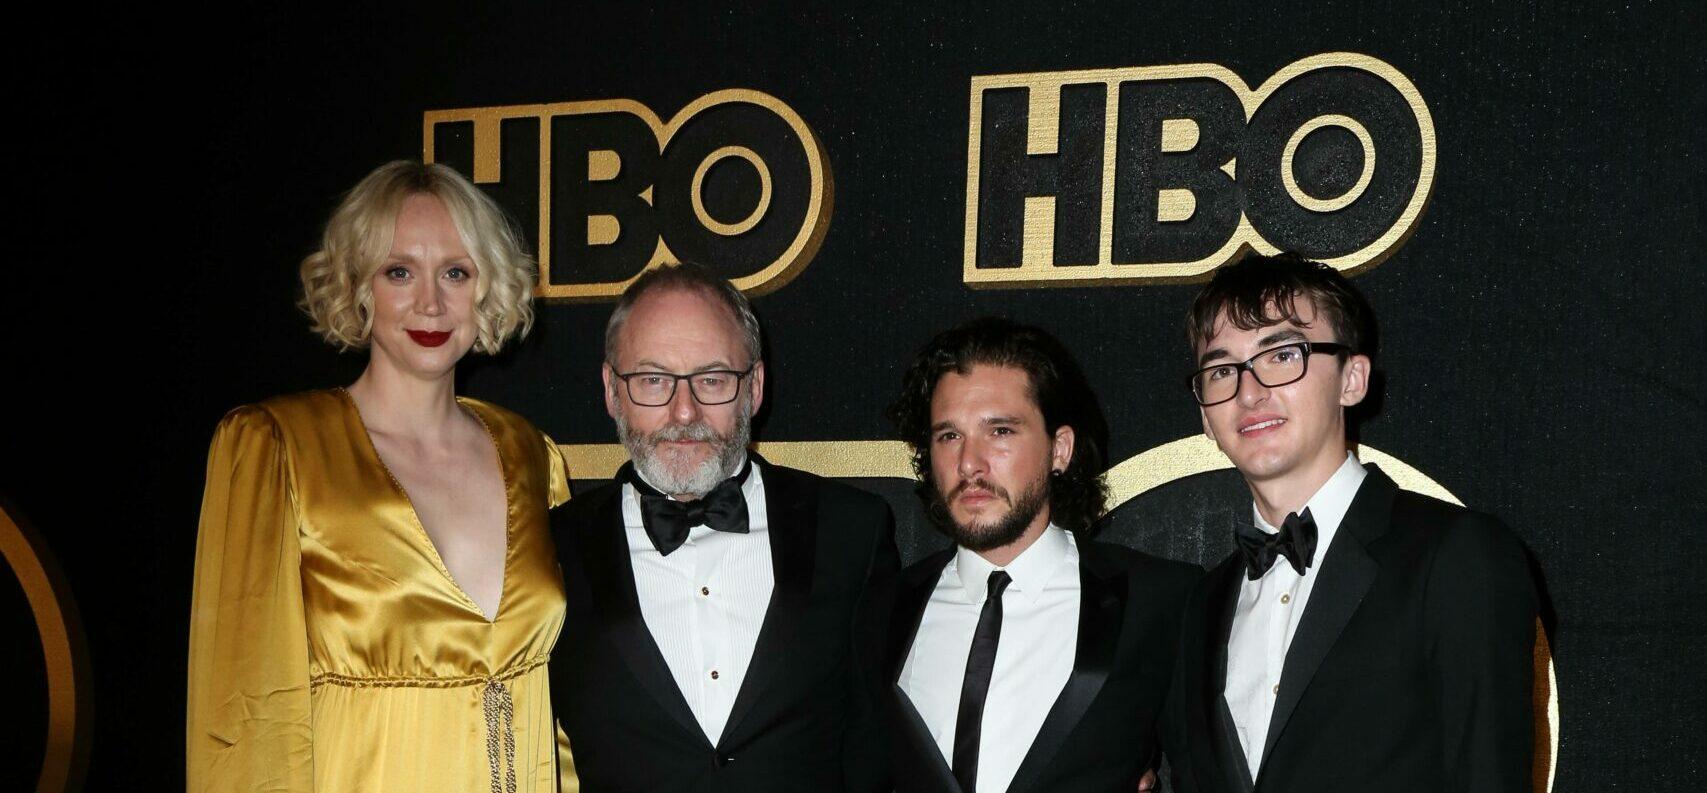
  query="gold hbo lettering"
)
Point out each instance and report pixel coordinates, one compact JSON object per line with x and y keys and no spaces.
{"x":1162,"y":173}
{"x":735,"y":181}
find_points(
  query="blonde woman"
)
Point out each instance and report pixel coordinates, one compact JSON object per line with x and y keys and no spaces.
{"x":376,"y":594}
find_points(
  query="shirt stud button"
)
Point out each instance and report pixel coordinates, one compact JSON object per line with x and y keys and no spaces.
{"x":1276,"y":685}
{"x":1285,"y":599}
{"x":705,"y":591}
{"x":714,"y":675}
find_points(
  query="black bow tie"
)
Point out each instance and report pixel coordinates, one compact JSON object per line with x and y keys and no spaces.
{"x":667,"y":520}
{"x":1296,"y":541}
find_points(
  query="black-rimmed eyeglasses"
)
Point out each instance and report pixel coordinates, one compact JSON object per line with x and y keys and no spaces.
{"x":1273,"y":367}
{"x":711,"y":387}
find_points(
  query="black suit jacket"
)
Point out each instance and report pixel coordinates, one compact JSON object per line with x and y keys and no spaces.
{"x":1100,"y":734}
{"x":1410,"y":669}
{"x":805,"y":717}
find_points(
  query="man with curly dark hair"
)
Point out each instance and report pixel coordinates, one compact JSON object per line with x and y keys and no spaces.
{"x":1025,"y":633}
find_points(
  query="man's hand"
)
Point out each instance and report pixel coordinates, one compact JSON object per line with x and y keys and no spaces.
{"x":1148,"y":781}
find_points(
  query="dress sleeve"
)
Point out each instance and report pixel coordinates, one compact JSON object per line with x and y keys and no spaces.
{"x":559,"y":471}
{"x":249,"y":715}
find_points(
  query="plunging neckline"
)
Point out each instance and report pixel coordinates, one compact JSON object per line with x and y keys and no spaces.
{"x":415,"y":517}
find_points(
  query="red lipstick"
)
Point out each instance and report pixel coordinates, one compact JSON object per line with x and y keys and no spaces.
{"x":430,"y":338}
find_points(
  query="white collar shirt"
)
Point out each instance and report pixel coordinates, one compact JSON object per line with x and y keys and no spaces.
{"x":705,"y":602}
{"x":1034,"y":655}
{"x":1268,"y":613}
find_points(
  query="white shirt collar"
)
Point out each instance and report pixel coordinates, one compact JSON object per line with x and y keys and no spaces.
{"x":1031,"y":571}
{"x":1329,"y":505}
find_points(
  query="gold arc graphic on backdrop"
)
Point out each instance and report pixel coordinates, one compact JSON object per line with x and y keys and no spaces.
{"x":57,"y":634}
{"x":1043,"y":122}
{"x":1169,"y":462}
{"x":894,"y":460}
{"x":487,"y":169}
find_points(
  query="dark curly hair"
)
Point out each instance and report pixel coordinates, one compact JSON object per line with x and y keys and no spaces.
{"x":1077,"y":497}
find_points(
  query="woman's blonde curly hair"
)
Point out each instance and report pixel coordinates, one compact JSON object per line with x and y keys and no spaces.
{"x":337,"y":280}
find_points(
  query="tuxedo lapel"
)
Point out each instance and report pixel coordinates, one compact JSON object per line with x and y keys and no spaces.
{"x":916,"y":587}
{"x":1347,"y":573}
{"x":791,"y":502}
{"x":1224,"y":744}
{"x":923,"y":749}
{"x":1102,"y":604}
{"x":610,"y":576}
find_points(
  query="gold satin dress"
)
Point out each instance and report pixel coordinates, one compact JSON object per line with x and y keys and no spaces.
{"x":329,"y":648}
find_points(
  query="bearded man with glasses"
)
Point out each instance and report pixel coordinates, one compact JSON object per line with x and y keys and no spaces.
{"x":1362,"y":637}
{"x":721,"y":631}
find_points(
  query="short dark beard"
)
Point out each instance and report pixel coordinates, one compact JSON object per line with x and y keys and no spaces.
{"x":988,"y":537}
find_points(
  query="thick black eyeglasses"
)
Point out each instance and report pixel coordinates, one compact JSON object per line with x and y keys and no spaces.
{"x":656,"y":389}
{"x":1273,"y":367}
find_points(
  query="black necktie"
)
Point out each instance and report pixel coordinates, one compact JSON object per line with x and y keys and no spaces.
{"x":976,"y":687}
{"x":1296,"y":541}
{"x":667,"y":520}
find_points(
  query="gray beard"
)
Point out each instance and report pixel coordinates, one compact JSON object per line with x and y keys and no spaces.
{"x":674,"y":479}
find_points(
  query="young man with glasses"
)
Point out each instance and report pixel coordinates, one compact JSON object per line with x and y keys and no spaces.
{"x":1362,"y":638}
{"x":720,"y":633}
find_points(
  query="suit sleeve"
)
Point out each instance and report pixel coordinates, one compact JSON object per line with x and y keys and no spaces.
{"x":1481,"y":619}
{"x":865,"y":743}
{"x":1171,"y":727}
{"x":567,"y":780}
{"x":248,"y":707}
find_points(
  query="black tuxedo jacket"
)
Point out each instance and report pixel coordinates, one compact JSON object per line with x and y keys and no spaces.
{"x":806,"y":715}
{"x":1410,"y":669}
{"x":1100,"y":735}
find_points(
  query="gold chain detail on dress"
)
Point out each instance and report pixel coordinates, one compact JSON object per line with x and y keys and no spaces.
{"x":500,"y":732}
{"x":496,"y":703}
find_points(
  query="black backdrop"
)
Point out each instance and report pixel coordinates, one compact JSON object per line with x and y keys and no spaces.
{"x":1542,"y":332}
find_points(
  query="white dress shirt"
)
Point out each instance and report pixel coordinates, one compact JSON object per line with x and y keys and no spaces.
{"x":1034,"y":656}
{"x":1268,"y":613}
{"x":705,"y":602}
